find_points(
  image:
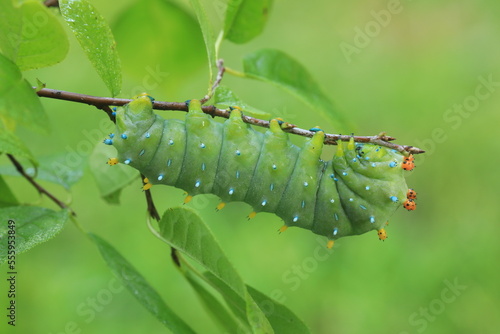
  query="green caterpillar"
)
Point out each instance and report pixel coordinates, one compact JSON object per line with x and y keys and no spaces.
{"x":355,"y":192}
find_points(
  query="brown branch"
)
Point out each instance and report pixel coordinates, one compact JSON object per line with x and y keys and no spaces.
{"x":51,"y":3}
{"x":153,"y":213}
{"x":38,"y":187}
{"x":330,"y":139}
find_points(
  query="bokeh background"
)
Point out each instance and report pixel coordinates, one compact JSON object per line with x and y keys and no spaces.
{"x":421,"y":75}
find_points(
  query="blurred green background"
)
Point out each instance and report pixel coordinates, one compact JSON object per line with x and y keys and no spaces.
{"x":408,"y":78}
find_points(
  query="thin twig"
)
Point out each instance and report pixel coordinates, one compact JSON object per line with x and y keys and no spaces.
{"x":220,"y":75}
{"x":35,"y":184}
{"x":153,"y":213}
{"x":330,"y":139}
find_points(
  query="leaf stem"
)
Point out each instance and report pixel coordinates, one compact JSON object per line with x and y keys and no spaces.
{"x":235,"y":73}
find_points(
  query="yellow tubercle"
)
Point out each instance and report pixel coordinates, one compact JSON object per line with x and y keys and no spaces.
{"x":235,"y":113}
{"x":146,"y":180}
{"x":147,"y":186}
{"x":188,"y":199}
{"x":112,"y":161}
{"x":252,"y":215}
{"x":340,"y":149}
{"x":283,"y":228}
{"x":317,"y":140}
{"x":274,"y":126}
{"x":382,"y":234}
{"x":351,"y":145}
{"x":220,"y":206}
{"x":286,"y":126}
{"x":330,"y":244}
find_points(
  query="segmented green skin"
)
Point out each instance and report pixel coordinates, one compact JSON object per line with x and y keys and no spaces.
{"x":355,"y":192}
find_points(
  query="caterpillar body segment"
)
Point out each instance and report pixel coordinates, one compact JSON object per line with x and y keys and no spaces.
{"x":277,"y":158}
{"x":238,"y":157}
{"x":357,"y":191}
{"x":203,"y":146}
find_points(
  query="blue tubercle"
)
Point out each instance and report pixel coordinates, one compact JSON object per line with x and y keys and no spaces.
{"x":124,"y":136}
{"x":315,"y":129}
{"x":108,"y":142}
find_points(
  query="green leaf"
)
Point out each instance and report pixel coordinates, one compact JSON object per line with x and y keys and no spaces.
{"x":31,"y":36}
{"x":233,"y":300}
{"x":212,"y":305}
{"x":245,"y":19}
{"x":110,"y":179}
{"x":96,"y":39}
{"x":208,"y":36}
{"x":54,"y":168}
{"x":7,"y":198}
{"x":278,"y":68}
{"x":10,"y":144}
{"x":158,"y":41}
{"x":139,"y":287}
{"x":225,"y":98}
{"x":32,"y":226}
{"x":19,"y":103}
{"x":281,"y":318}
{"x":184,"y":230}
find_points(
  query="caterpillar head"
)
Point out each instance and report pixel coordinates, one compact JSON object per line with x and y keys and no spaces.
{"x":375,"y":153}
{"x":136,"y":114}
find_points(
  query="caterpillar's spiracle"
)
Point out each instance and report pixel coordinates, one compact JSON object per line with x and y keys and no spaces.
{"x":355,"y":192}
